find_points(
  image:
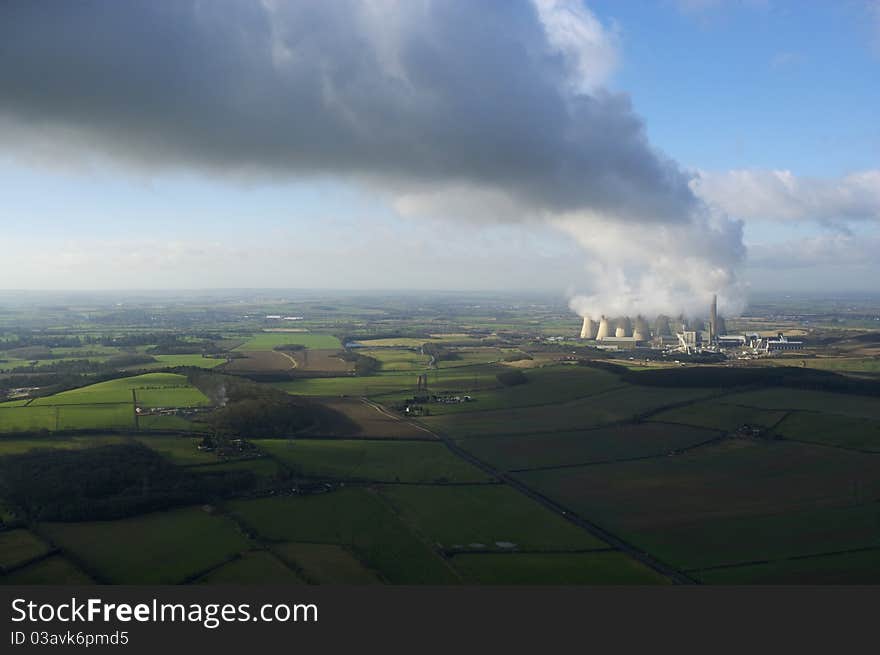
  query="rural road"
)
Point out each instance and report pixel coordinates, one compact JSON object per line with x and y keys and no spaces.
{"x":677,"y":577}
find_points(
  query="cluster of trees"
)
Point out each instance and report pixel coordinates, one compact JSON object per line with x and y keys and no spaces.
{"x":170,"y":344}
{"x":753,"y":376}
{"x":248,"y":409}
{"x":29,"y":339}
{"x":363,"y":364}
{"x":439,"y":353}
{"x":108,"y":482}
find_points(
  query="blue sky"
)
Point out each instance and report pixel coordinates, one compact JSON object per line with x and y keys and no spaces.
{"x":720,"y":87}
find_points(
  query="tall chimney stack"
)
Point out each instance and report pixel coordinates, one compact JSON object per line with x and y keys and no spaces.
{"x":713,"y":320}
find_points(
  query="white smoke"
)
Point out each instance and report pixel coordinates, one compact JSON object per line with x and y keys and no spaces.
{"x":652,"y":269}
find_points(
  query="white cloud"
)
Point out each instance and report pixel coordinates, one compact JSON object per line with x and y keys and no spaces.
{"x":782,"y":195}
{"x":590,"y":50}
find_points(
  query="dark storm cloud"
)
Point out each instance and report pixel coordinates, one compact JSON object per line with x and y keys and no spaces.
{"x":457,"y":92}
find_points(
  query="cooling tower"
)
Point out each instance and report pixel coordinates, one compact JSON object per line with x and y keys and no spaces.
{"x":622,"y":327}
{"x":603,"y":329}
{"x":661,"y":326}
{"x":587,"y":330}
{"x":640,"y":331}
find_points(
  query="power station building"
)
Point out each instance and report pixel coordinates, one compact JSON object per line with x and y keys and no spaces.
{"x":624,"y":332}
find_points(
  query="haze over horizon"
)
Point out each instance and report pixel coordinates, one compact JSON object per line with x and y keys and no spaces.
{"x":662,"y":151}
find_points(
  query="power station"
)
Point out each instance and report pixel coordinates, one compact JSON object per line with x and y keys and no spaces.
{"x":681,"y":334}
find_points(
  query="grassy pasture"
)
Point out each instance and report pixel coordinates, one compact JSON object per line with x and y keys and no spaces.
{"x":457,"y":517}
{"x":262,"y":467}
{"x":412,"y":342}
{"x":180,"y":450}
{"x":728,"y":502}
{"x":184,"y":360}
{"x":19,"y":546}
{"x":176,"y":423}
{"x":716,"y":415}
{"x":172,"y":397}
{"x":398,"y":359}
{"x":152,"y":390}
{"x":404,"y":461}
{"x":325,"y":563}
{"x":835,"y":430}
{"x":14,"y":403}
{"x":269,"y":340}
{"x":55,"y":570}
{"x":472,"y":356}
{"x":798,"y":399}
{"x":253,"y":567}
{"x":729,"y":540}
{"x":394,"y":385}
{"x":160,"y":548}
{"x":119,"y":390}
{"x":551,"y":384}
{"x":608,"y":568}
{"x":584,"y":446}
{"x":261,"y":361}
{"x":66,"y":417}
{"x":858,"y":568}
{"x":845,"y":364}
{"x":614,"y":406}
{"x":356,"y":518}
{"x":17,"y":446}
{"x":24,"y":419}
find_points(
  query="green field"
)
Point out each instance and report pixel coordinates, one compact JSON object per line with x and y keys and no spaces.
{"x":797,"y":399}
{"x":388,"y":461}
{"x":857,"y":568}
{"x":55,"y":570}
{"x":584,"y":446}
{"x":269,"y":340}
{"x":415,"y":342}
{"x":394,"y":385}
{"x":253,"y":567}
{"x":106,"y":405}
{"x":263,"y":468}
{"x":160,"y":548}
{"x":355,"y":518}
{"x":605,"y":408}
{"x":325,"y":563}
{"x":545,"y":386}
{"x":180,"y":450}
{"x":479,"y":518}
{"x":608,"y":568}
{"x":716,"y":415}
{"x":834,"y":430}
{"x":732,"y":502}
{"x":16,"y":446}
{"x":18,"y":547}
{"x":151,"y":388}
{"x":66,"y":417}
{"x":184,"y":360}
{"x":397,"y":359}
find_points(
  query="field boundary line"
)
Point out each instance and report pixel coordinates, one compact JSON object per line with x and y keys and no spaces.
{"x":648,"y":560}
{"x":671,"y":453}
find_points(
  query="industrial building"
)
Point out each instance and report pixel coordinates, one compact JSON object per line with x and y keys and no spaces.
{"x":686,"y":335}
